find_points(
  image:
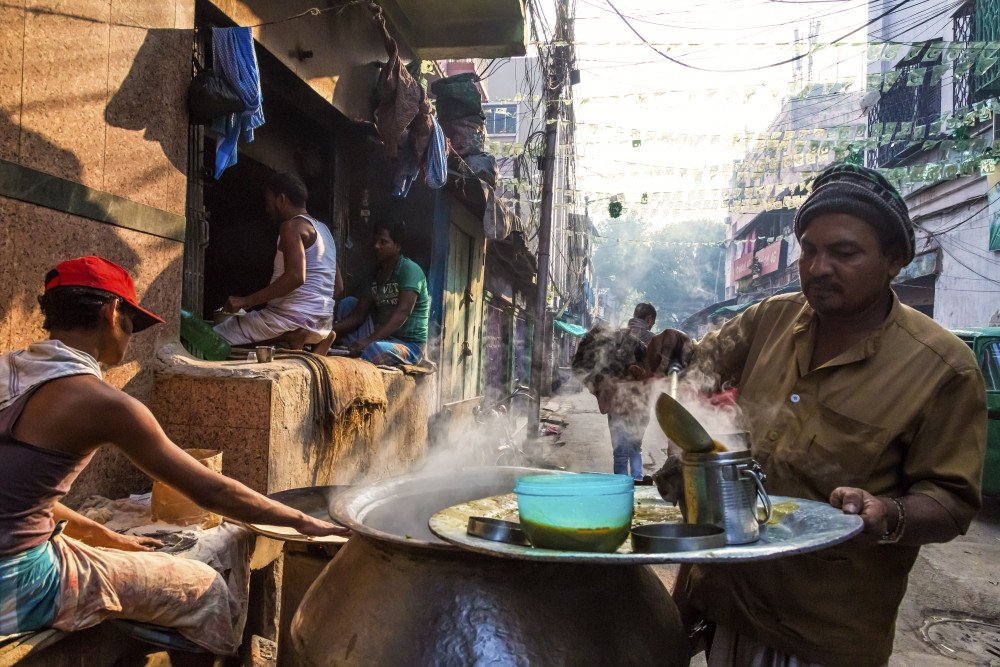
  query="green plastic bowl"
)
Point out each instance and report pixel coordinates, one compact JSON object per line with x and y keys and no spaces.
{"x":576,"y":512}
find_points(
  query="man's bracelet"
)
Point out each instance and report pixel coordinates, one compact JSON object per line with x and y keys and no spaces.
{"x":897,"y":534}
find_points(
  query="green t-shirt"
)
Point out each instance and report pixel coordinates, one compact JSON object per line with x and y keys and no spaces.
{"x":406,"y":277}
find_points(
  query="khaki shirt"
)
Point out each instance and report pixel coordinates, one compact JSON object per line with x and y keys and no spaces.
{"x":901,"y":412}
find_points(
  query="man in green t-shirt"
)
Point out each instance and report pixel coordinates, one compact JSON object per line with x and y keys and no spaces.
{"x":387,"y":325}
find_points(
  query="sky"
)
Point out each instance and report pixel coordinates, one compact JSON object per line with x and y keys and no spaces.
{"x":629,"y":91}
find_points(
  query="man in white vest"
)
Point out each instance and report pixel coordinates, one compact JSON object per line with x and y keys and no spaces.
{"x":299,"y":300}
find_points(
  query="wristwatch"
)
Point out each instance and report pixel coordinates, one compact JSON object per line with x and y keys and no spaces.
{"x":897,"y":534}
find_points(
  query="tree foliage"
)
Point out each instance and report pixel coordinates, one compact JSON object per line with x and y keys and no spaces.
{"x":666,"y":266}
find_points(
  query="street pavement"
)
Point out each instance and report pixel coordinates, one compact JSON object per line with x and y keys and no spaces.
{"x":951,"y":612}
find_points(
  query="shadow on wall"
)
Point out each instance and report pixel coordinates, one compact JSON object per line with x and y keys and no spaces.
{"x":142,"y":102}
{"x":36,"y":239}
{"x":33,"y":239}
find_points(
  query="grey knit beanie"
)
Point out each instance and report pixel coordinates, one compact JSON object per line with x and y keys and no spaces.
{"x":863,"y":193}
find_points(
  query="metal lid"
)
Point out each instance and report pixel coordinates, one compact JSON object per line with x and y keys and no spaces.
{"x":716,"y":458}
{"x":574,"y":484}
{"x":674,"y":537}
{"x":497,"y":530}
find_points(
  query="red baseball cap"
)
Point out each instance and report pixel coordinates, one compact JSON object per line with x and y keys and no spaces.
{"x":101,"y":274}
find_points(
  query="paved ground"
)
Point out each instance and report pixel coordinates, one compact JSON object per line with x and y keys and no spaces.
{"x":954,"y":592}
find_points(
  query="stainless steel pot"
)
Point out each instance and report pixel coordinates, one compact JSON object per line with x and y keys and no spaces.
{"x":723,"y":489}
{"x":398,"y":595}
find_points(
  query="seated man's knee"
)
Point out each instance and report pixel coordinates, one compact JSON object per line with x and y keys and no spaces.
{"x":291,"y":340}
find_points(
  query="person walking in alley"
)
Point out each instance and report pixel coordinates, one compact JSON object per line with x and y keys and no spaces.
{"x":851,"y":398}
{"x":58,"y":568}
{"x":387,"y":326}
{"x":608,"y":360}
{"x":299,"y":300}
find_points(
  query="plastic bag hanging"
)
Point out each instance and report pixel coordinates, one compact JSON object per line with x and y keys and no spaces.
{"x":437,"y":157}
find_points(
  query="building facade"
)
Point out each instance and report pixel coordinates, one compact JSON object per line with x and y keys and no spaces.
{"x":932,"y":87}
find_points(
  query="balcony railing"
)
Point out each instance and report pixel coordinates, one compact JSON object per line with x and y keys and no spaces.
{"x":963,"y":90}
{"x":986,"y":28}
{"x":902,"y":103}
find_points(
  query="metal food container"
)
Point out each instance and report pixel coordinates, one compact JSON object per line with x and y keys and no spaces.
{"x":497,"y":530}
{"x":723,"y":489}
{"x":220,"y":316}
{"x":676,"y":537}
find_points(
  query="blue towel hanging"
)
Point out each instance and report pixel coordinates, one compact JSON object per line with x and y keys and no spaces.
{"x":234,"y":57}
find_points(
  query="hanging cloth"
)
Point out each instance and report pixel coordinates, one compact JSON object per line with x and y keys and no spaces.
{"x":437,"y":157}
{"x":402,"y":106}
{"x":233,"y":56}
{"x":399,"y":95}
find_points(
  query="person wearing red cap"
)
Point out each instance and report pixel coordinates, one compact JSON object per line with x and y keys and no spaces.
{"x":55,"y":412}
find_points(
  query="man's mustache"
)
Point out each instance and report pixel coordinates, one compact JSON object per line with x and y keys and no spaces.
{"x":824,"y":284}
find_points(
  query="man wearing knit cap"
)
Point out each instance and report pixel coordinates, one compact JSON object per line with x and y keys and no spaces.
{"x":851,"y":398}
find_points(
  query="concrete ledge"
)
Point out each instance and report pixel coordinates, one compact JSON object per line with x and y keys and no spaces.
{"x":278,"y":431}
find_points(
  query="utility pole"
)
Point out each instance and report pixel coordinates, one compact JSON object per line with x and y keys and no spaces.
{"x":555,"y":80}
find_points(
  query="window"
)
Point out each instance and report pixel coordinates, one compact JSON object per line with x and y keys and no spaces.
{"x":501,"y":119}
{"x":990,"y":363}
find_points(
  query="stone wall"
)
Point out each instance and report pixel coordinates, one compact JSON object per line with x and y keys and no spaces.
{"x":265,"y":418}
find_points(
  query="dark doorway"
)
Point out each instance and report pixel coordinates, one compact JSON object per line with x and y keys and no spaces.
{"x":239,"y":259}
{"x":297,"y":137}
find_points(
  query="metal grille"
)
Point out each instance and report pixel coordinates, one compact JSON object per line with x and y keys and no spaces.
{"x":962,"y":92}
{"x":196,"y":229}
{"x":977,"y":21}
{"x":919,"y":105}
{"x":521,"y":341}
{"x":986,"y":29}
{"x":493,"y":365}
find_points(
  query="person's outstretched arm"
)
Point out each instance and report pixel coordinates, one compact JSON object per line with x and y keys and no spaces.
{"x":127,"y":424}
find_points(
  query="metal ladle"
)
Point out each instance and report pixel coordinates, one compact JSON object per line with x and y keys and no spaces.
{"x":679,"y":424}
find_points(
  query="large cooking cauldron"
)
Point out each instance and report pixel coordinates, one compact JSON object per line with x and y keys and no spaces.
{"x":398,"y":595}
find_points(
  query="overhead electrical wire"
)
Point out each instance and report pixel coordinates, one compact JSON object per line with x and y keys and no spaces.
{"x":760,"y":67}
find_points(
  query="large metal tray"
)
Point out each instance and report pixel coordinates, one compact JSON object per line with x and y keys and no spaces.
{"x":796,"y":526}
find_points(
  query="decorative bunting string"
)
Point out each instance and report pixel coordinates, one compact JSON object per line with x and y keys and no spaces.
{"x":818,"y":140}
{"x":950,"y":50}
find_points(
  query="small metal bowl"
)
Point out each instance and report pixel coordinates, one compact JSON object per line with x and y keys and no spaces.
{"x":219,"y":316}
{"x":497,"y":530}
{"x":265,"y":353}
{"x":656,"y":538}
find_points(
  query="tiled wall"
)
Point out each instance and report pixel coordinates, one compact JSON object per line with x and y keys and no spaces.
{"x":93,"y":91}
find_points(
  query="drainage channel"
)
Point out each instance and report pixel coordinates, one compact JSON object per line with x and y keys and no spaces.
{"x":968,"y":640}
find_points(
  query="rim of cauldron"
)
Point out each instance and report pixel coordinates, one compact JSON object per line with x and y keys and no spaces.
{"x":350,"y":507}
